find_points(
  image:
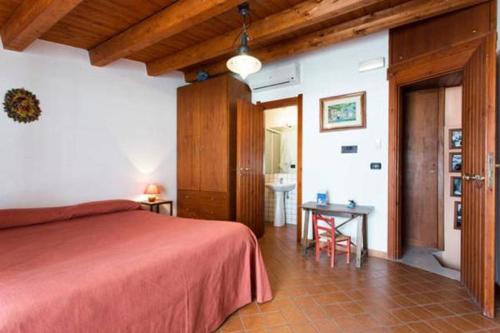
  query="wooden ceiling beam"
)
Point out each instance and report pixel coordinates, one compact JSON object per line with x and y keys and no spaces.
{"x":170,"y":21}
{"x":31,"y":19}
{"x":301,"y":15}
{"x":409,"y":12}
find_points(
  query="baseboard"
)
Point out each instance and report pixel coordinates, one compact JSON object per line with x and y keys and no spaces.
{"x":377,"y":254}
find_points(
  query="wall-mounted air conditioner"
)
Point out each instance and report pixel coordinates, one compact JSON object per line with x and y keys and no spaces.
{"x":275,"y":77}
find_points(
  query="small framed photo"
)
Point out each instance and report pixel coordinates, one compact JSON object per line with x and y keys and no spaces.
{"x":455,"y":162}
{"x":322,"y":199}
{"x":455,"y":138}
{"x":456,"y":186}
{"x":458,"y":215}
{"x":343,"y":112}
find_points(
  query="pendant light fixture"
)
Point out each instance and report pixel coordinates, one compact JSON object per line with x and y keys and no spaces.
{"x":243,"y":63}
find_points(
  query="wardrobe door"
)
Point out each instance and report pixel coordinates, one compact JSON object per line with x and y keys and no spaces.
{"x":214,"y":134}
{"x":188,"y":138}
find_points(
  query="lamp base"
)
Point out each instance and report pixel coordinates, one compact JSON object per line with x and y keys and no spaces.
{"x":152,"y":198}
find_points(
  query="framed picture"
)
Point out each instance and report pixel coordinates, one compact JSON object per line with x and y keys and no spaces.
{"x":456,"y":186}
{"x":455,"y":162}
{"x":458,"y":215}
{"x":343,"y":112}
{"x":455,"y":138}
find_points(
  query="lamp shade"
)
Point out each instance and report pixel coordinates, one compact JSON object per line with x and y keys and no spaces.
{"x":244,"y":65}
{"x":152,"y":189}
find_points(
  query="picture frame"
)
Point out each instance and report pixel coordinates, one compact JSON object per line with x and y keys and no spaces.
{"x":458,"y":215}
{"x":456,"y":187}
{"x":343,"y":112}
{"x":455,"y":162}
{"x":455,"y":138}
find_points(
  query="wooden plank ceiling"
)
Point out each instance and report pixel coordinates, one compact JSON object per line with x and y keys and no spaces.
{"x":193,"y":35}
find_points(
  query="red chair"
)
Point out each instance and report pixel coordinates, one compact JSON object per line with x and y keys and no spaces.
{"x":327,"y":239}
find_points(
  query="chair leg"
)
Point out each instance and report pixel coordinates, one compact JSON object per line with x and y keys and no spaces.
{"x":332,"y":258}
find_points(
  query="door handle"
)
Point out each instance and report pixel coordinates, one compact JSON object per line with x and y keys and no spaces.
{"x":478,"y":178}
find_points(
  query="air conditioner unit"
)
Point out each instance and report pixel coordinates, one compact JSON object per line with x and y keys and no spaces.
{"x":276,"y":77}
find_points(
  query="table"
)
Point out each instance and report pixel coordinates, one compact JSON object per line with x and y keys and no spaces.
{"x":359,"y":213}
{"x":155,"y":206}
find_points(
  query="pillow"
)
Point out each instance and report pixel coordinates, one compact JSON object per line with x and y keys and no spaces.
{"x":21,"y":217}
{"x":101,"y":207}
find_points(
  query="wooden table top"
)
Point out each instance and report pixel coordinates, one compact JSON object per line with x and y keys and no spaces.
{"x":157,"y":202}
{"x":338,"y":208}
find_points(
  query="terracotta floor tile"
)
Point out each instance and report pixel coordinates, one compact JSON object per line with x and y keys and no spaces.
{"x":294,"y":316}
{"x":304,"y":328}
{"x":326,"y":326}
{"x":330,"y":298}
{"x":405,"y":315}
{"x":480,"y":321}
{"x":233,"y":324}
{"x":422,"y":327}
{"x":399,"y":329}
{"x":382,"y":296}
{"x":438,"y":310}
{"x":250,"y":309}
{"x":385,"y":318}
{"x":277,"y":305}
{"x":253,"y":321}
{"x":443,"y":326}
{"x":462,"y":324}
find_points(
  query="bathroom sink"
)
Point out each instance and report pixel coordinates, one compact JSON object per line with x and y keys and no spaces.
{"x":280,"y":187}
{"x":279,"y":190}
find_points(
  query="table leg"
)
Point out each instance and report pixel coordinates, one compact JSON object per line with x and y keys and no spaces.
{"x":305,"y":232}
{"x":171,"y":209}
{"x":360,"y":240}
{"x":151,"y":208}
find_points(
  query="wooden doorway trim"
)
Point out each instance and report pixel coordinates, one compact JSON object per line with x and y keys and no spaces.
{"x":431,"y":65}
{"x":280,"y":103}
{"x":436,"y":64}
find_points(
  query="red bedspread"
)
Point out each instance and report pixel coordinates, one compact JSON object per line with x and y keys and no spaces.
{"x":129,"y":271}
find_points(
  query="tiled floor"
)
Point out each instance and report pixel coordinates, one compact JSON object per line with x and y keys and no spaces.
{"x":381,"y":297}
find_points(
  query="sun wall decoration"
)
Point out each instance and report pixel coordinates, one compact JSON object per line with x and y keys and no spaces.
{"x":22,"y":105}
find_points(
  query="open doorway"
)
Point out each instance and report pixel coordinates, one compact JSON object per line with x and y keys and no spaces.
{"x":431,"y":174}
{"x":283,"y":163}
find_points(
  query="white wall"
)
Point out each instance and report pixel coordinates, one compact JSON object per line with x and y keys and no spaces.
{"x":103,"y":133}
{"x":330,"y":72}
{"x":452,"y":237}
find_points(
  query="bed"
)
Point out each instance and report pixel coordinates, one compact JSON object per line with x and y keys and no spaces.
{"x":111,"y":267}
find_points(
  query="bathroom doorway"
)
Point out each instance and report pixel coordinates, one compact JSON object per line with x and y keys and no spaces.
{"x":283,"y":163}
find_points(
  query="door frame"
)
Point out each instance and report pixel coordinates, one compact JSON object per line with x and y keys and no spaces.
{"x":434,"y":64}
{"x":280,"y":103}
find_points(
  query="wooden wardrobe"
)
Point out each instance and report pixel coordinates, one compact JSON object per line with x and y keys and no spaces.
{"x":207,"y":149}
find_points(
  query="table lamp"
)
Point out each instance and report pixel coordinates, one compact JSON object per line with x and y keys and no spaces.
{"x":152,"y":190}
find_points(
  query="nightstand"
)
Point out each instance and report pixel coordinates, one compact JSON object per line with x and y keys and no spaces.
{"x":155,"y":206}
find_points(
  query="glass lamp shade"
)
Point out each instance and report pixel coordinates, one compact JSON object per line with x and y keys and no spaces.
{"x":244,"y":65}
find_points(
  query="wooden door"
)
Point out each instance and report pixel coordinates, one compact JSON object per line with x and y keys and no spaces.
{"x":478,"y":201}
{"x":214,"y":134}
{"x":421,"y":172}
{"x":249,"y":166}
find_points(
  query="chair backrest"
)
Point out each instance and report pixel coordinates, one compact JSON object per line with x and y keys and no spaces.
{"x":330,"y":221}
